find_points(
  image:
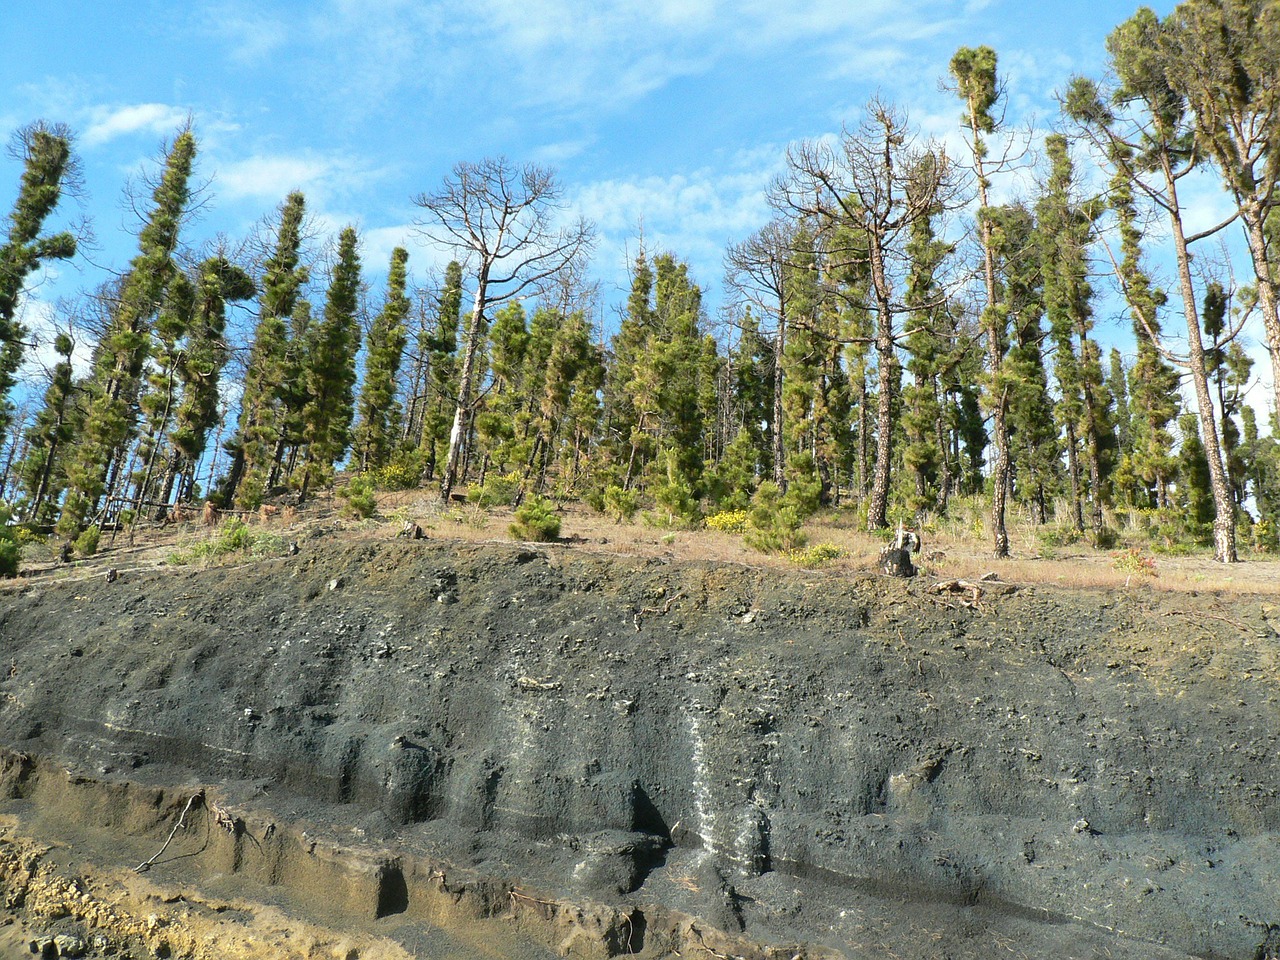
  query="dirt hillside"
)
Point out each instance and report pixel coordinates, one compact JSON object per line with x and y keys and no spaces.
{"x":393,"y":743}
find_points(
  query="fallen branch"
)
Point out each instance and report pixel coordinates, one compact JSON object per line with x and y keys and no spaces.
{"x":1207,"y":616}
{"x":146,"y":865}
{"x":970,"y":592}
{"x":663,"y":611}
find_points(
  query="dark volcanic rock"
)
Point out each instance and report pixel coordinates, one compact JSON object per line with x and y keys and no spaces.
{"x":848,"y":764}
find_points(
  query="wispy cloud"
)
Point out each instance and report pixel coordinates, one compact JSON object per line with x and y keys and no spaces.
{"x":251,"y":34}
{"x":693,"y":215}
{"x":108,"y":123}
{"x":271,"y":177}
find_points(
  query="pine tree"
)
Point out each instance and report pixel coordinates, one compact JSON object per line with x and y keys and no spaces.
{"x":922,"y":454}
{"x":1153,"y":383}
{"x":441,"y":349}
{"x":46,"y":153}
{"x":1065,"y":232}
{"x":675,"y":364}
{"x":1152,"y":140}
{"x":503,"y":218}
{"x":56,"y":424}
{"x":875,"y":184}
{"x":260,"y":426}
{"x":974,"y":71}
{"x":1222,"y":57}
{"x":158,"y":401}
{"x":630,"y":390}
{"x":199,"y":368}
{"x":125,"y":345}
{"x":379,"y":422}
{"x":330,"y":372}
{"x":1034,"y":449}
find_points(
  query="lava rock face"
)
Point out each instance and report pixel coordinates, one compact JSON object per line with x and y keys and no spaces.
{"x":844,"y":763}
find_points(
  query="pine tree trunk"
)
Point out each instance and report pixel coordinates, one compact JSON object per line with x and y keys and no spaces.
{"x":1073,"y":471}
{"x":1267,"y":294}
{"x":995,"y":360}
{"x":1224,"y":521}
{"x":1095,"y":467}
{"x":779,"y":442}
{"x":877,"y":513}
{"x":944,"y":463}
{"x":863,"y":449}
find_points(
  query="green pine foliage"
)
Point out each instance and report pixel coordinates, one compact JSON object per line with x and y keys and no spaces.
{"x":330,"y":371}
{"x":40,"y":472}
{"x":273,"y":373}
{"x":536,"y":521}
{"x":47,"y":161}
{"x":440,"y":347}
{"x":126,"y":344}
{"x":379,"y":412}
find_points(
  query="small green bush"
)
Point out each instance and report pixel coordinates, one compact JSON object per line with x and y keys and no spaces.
{"x":359,"y":494}
{"x":498,"y":490}
{"x":620,"y":504}
{"x":773,"y":524}
{"x":86,"y":545}
{"x":536,"y":520}
{"x":1264,"y":536}
{"x":10,"y":557}
{"x":25,"y":535}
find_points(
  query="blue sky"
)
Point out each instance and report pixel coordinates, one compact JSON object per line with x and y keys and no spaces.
{"x":669,"y":116}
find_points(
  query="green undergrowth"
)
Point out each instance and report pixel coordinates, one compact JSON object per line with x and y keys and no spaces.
{"x":234,"y":538}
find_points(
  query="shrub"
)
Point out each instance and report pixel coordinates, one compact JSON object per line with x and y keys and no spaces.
{"x":1264,"y":535}
{"x":804,"y":485}
{"x":673,"y":493}
{"x":498,"y":490}
{"x":10,"y":545}
{"x":773,"y":524}
{"x":594,"y":498}
{"x":359,"y":495}
{"x":536,"y":520}
{"x":815,"y":556}
{"x":728,"y":521}
{"x":620,"y":504}
{"x":403,"y":472}
{"x":10,"y":557}
{"x":234,"y":536}
{"x":25,"y":535}
{"x":1134,"y":561}
{"x":87,"y":543}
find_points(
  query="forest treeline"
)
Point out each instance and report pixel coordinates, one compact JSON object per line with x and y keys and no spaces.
{"x":894,"y":338}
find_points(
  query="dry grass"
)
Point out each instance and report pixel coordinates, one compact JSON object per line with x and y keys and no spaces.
{"x":954,"y":549}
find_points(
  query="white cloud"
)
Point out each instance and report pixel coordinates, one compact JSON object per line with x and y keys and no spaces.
{"x":693,"y":215}
{"x":108,"y":123}
{"x":263,"y":176}
{"x":41,"y":320}
{"x":252,"y":37}
{"x":270,"y":176}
